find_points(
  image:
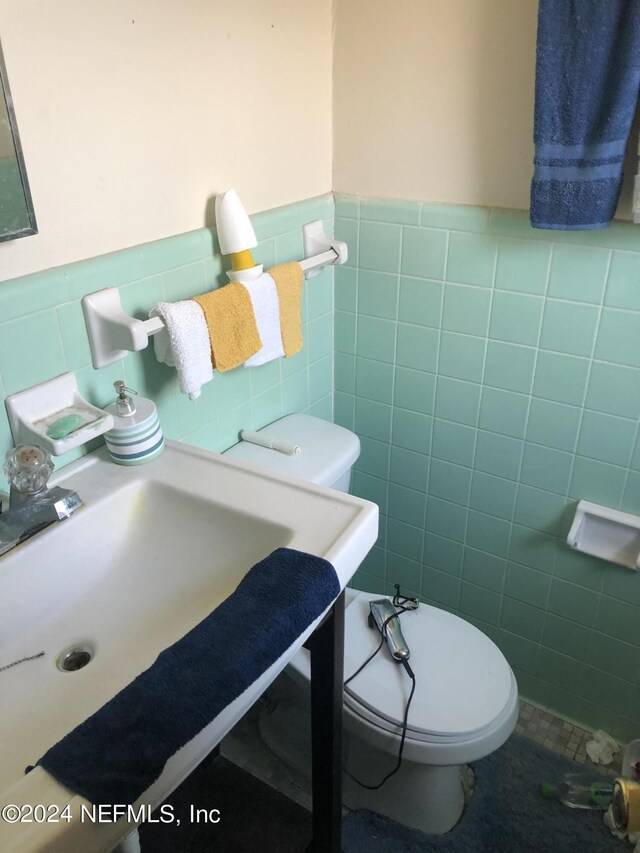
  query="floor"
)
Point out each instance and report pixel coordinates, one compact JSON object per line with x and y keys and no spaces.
{"x":244,"y":747}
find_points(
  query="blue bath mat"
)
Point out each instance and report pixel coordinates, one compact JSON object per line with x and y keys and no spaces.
{"x":507,"y":814}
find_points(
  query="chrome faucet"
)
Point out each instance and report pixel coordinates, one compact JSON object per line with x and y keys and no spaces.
{"x":32,"y":506}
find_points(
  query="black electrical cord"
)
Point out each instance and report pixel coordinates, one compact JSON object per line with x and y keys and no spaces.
{"x":403,"y":604}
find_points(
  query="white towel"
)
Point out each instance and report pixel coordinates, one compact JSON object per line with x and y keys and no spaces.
{"x":266,"y":309}
{"x":184,"y":344}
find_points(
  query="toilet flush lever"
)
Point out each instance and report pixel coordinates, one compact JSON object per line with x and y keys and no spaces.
{"x":384,"y":615}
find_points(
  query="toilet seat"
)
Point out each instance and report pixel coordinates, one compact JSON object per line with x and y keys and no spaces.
{"x":466,"y":699}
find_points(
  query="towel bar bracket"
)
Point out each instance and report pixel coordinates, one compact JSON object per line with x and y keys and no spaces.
{"x":113,"y":334}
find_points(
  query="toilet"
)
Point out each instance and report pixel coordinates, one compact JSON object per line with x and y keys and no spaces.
{"x":465,"y":704}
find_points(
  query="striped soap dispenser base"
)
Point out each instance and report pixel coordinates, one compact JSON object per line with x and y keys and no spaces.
{"x":136,"y":436}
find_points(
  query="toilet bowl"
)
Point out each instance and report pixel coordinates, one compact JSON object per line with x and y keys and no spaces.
{"x":465,"y":704}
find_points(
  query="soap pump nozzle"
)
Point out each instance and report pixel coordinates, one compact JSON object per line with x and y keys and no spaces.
{"x":124,"y":404}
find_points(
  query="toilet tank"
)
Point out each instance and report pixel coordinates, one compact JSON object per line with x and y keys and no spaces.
{"x":327,"y":451}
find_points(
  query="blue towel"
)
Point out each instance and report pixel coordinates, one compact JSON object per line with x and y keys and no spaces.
{"x":118,"y":752}
{"x":587,"y":80}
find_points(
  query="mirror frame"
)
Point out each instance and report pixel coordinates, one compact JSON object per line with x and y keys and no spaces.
{"x":32,"y":227}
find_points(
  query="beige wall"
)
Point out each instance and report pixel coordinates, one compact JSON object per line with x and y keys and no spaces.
{"x":433,"y":100}
{"x":135,"y":113}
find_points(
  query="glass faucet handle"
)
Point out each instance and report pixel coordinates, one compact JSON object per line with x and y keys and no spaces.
{"x":28,"y":468}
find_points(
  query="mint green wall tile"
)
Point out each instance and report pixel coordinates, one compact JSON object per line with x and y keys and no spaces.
{"x":371,"y":488}
{"x":471,"y":258}
{"x":522,"y":619}
{"x":461,"y":357}
{"x":578,"y":273}
{"x":379,"y":247}
{"x":420,"y":301}
{"x":376,"y":339}
{"x":578,"y":568}
{"x":424,"y":252}
{"x":417,"y":347}
{"x":484,"y":570}
{"x":319,"y":291}
{"x":318,"y":338}
{"x":440,"y":588}
{"x":443,"y":554}
{"x":344,"y":407}
{"x":553,"y":424}
{"x":344,"y":376}
{"x":498,"y":454}
{"x":374,"y":457}
{"x":523,"y":658}
{"x":450,"y":482}
{"x":458,"y":217}
{"x":539,"y":509}
{"x":183,"y":282}
{"x":75,"y":343}
{"x":597,"y":481}
{"x":479,"y":602}
{"x":265,"y":253}
{"x":373,"y":419}
{"x":516,"y":317}
{"x":568,"y":327}
{"x":532,"y":548}
{"x":378,"y":294}
{"x":347,"y":205}
{"x":321,"y":385}
{"x":466,"y":309}
{"x":488,"y":533}
{"x":446,"y":519}
{"x":373,"y":380}
{"x":615,"y":657}
{"x":390,"y":210}
{"x":414,"y":390}
{"x":492,"y":495}
{"x":375,"y":563}
{"x":407,"y":505}
{"x":562,"y":378}
{"x":504,"y":412}
{"x":528,"y":585}
{"x":45,"y":290}
{"x":412,"y":431}
{"x":618,"y":619}
{"x":109,"y":270}
{"x":566,"y":637}
{"x":622,"y":285}
{"x":406,"y":572}
{"x":618,"y":339}
{"x":346,"y":289}
{"x":546,"y":468}
{"x":523,"y":266}
{"x":457,"y":400}
{"x":348,"y":230}
{"x":573,"y":602}
{"x":509,"y":366}
{"x":607,"y":438}
{"x":30,"y":350}
{"x":618,"y":582}
{"x":404,"y":539}
{"x":614,"y":389}
{"x":453,"y":442}
{"x":262,"y":378}
{"x":408,"y":468}
{"x":289,"y":247}
{"x":295,"y":394}
{"x":345,"y":332}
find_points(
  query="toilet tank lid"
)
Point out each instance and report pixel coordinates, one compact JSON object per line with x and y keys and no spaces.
{"x":327,"y":450}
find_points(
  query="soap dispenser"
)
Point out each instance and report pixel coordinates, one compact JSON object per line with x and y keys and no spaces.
{"x":136,"y":436}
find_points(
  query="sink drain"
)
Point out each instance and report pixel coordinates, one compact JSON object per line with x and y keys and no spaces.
{"x":74,"y":658}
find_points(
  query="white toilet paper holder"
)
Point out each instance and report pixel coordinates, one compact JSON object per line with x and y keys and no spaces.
{"x":606,"y":533}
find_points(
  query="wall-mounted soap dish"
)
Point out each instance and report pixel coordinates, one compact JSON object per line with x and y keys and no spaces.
{"x":39,"y":415}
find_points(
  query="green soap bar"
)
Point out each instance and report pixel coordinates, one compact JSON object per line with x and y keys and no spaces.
{"x":65,"y":425}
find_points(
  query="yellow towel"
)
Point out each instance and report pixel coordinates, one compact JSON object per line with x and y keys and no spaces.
{"x":232,"y":325}
{"x":288,"y":279}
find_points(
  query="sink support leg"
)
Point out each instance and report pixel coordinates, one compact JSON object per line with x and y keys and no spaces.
{"x":326,"y":647}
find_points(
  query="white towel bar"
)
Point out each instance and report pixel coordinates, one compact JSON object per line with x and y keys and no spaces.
{"x":113,"y":334}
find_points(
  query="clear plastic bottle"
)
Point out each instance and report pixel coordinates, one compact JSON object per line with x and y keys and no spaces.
{"x":579,"y":791}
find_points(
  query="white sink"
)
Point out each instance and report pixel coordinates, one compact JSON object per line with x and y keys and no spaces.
{"x":153,"y":551}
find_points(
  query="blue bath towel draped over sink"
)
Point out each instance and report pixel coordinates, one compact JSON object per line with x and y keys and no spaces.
{"x":118,"y":752}
{"x":587,"y":80}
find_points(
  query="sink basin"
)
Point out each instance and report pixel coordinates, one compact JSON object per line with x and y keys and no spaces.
{"x":154,"y":550}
